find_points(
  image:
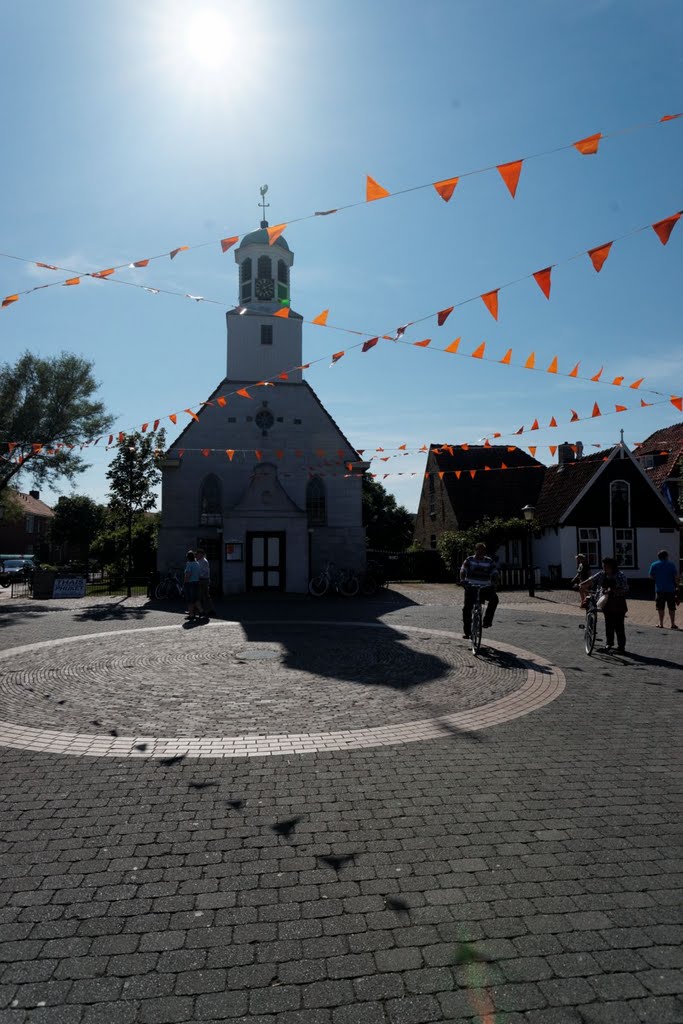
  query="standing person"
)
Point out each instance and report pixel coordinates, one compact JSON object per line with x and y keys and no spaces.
{"x":582,"y":574}
{"x":204,"y":584}
{"x":191,"y":579}
{"x":613,"y":585}
{"x":666,"y":578}
{"x":478,"y":568}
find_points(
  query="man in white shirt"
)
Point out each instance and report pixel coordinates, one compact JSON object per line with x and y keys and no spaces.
{"x":204,"y":583}
{"x":479,"y":568}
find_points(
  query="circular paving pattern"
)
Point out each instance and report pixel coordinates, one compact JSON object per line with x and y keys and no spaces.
{"x":230,"y":689}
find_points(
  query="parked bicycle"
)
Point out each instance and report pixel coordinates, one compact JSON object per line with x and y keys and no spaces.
{"x":341,"y":581}
{"x":170,"y":586}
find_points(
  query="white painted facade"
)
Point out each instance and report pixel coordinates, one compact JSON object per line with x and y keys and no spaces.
{"x":250,"y":509}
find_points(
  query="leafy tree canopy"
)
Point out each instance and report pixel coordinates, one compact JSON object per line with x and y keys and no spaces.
{"x":134,"y":473}
{"x":47,"y":401}
{"x":388,"y":526}
{"x":77,"y":519}
{"x":455,"y":545}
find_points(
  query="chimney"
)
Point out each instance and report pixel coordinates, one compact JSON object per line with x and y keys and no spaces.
{"x":35,"y":494}
{"x":579,"y":449}
{"x":565,"y":453}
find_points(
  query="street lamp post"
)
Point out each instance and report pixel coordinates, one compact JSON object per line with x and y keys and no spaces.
{"x":528,"y":512}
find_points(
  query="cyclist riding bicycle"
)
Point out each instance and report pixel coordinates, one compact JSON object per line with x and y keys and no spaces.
{"x":477,"y":569}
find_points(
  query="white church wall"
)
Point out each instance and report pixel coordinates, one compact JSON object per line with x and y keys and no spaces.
{"x":251,"y":360}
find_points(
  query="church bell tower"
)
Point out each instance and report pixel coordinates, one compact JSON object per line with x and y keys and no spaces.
{"x":261,"y":345}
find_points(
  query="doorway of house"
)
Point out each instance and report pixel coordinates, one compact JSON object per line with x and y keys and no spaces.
{"x":265,"y":562}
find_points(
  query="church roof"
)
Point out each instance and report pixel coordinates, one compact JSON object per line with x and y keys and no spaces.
{"x":260,"y":237}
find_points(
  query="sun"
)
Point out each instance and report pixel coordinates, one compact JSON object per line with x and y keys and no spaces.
{"x":209,"y":39}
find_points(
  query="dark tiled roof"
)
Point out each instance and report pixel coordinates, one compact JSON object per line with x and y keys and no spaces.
{"x":500,"y":493}
{"x":32,"y":506}
{"x":668,"y":439}
{"x":562,"y":484}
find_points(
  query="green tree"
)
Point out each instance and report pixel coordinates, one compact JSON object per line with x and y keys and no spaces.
{"x":133,"y":476}
{"x":47,"y":408}
{"x":388,"y":526}
{"x":77,"y":521}
{"x":110,"y":546}
{"x":455,"y":545}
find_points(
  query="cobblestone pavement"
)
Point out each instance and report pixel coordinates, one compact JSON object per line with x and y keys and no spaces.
{"x":533,"y":866}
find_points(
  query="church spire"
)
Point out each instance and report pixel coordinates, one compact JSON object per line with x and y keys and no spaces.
{"x":263,"y":204}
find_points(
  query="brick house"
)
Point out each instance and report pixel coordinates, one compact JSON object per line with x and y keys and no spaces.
{"x":661,"y":456}
{"x":27,"y":533}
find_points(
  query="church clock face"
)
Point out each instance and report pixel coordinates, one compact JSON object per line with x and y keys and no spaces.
{"x":264,"y":419}
{"x":264,"y":288}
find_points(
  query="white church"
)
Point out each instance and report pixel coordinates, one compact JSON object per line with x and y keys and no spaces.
{"x":267,"y":521}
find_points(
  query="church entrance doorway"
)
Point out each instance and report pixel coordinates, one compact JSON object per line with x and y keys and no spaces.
{"x":265,"y":561}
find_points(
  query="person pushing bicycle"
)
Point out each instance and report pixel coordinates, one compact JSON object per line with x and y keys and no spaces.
{"x":477,"y":569}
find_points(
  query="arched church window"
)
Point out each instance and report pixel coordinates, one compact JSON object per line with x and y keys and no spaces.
{"x":620,"y":503}
{"x":264,"y":267}
{"x":316,"y":505}
{"x":245,"y":280}
{"x":210,"y":501}
{"x":282,"y":280}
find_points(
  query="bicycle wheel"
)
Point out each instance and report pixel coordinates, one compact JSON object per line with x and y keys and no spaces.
{"x":319,"y":586}
{"x":349,"y":586}
{"x":590,"y":630}
{"x":161,"y":591}
{"x":475,"y":629}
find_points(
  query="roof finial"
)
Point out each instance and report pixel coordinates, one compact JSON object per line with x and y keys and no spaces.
{"x":622,"y":435}
{"x":263,"y":204}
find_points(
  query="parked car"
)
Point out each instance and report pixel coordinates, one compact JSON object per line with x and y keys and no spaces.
{"x":15,"y":569}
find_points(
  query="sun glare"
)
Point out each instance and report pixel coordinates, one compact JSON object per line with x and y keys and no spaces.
{"x":209,"y":39}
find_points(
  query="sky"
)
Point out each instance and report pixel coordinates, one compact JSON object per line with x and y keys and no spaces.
{"x":130,"y":129}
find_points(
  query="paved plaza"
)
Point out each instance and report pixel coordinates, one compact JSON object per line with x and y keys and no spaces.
{"x":330,"y":812}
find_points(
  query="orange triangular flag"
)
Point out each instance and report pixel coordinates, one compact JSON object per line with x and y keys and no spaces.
{"x":479,"y":351}
{"x":617,"y":381}
{"x":596,"y":410}
{"x":599,"y":255}
{"x":73,"y":280}
{"x":669,"y":117}
{"x":542,"y":279}
{"x":473,"y":473}
{"x":9,"y":299}
{"x":643,"y":403}
{"x":487,"y":469}
{"x":520,"y":431}
{"x":575,"y":371}
{"x":503,"y":466}
{"x":598,"y":375}
{"x":141,"y":263}
{"x":507,"y":357}
{"x":443,"y":315}
{"x":490,"y":300}
{"x":636,"y":384}
{"x":532,"y":449}
{"x":620,"y":408}
{"x":144,"y":430}
{"x":457,"y":473}
{"x":441,"y":473}
{"x":677,"y":401}
{"x":553,"y":422}
{"x":181,"y":248}
{"x":156,"y":424}
{"x":553,"y":366}
{"x":511,"y":447}
{"x":283,"y":376}
{"x":510,"y":175}
{"x":206,"y":452}
{"x":453,"y":347}
{"x":173,"y":418}
{"x":192,"y":414}
{"x":422,"y":344}
{"x":446,"y":188}
{"x":243,"y":392}
{"x":259,"y":454}
{"x":534,"y":425}
{"x":230,"y":452}
{"x":103,"y":273}
{"x":663,"y":228}
{"x":487,"y":443}
{"x":373,"y":190}
{"x":275,"y":232}
{"x":337,"y":356}
{"x":367,"y":345}
{"x":464,"y":447}
{"x":575,"y":416}
{"x":589,"y":145}
{"x":227,"y":243}
{"x":46,"y":266}
{"x":531,"y":362}
{"x":284,"y":312}
{"x":222,"y":401}
{"x":321,"y":318}
{"x":552,"y":448}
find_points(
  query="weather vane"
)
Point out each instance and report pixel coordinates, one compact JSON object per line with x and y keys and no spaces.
{"x":263,"y":204}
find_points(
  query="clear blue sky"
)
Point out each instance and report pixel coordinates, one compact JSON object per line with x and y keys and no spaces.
{"x":131,"y":128}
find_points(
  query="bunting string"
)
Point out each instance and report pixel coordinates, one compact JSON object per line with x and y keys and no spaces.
{"x":445,"y":188}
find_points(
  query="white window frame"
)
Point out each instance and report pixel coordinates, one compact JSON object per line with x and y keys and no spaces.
{"x":618,"y":548}
{"x":589,"y":539}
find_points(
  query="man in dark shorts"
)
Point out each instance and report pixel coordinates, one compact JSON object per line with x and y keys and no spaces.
{"x":665,"y":575}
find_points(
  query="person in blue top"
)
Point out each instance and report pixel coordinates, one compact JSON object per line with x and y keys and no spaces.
{"x":665,"y":575}
{"x":191,"y":579}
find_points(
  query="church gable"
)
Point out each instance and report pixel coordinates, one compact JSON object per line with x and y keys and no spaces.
{"x":265,"y":495}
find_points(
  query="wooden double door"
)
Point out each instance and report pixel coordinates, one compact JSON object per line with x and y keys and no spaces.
{"x":265,"y":562}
